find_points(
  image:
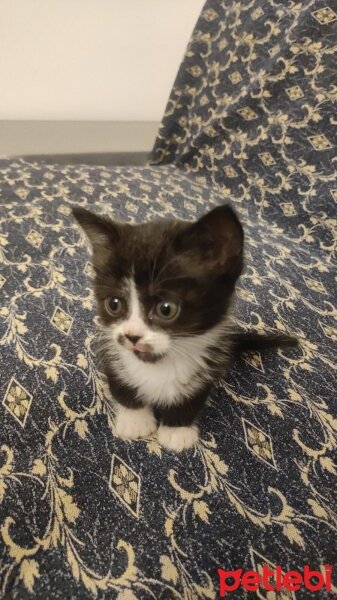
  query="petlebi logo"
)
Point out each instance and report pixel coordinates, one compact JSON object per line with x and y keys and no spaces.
{"x":275,"y":579}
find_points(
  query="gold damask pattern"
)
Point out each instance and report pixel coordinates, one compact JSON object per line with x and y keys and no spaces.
{"x":250,"y":120}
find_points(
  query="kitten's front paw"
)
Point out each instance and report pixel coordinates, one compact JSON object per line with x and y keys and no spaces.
{"x":177,"y":438}
{"x":132,"y":424}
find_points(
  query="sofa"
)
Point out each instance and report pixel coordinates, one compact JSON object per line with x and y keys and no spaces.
{"x":251,"y":121}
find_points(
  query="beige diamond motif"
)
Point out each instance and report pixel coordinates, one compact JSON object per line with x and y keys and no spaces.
{"x":334,"y":194}
{"x":257,"y":13}
{"x":320,"y":142}
{"x":88,"y":270}
{"x":230,"y":171}
{"x":88,"y":189}
{"x":203,"y":100}
{"x":34,"y":238}
{"x":315,"y":285}
{"x":288,"y":209}
{"x":246,"y":295}
{"x":247,"y":113}
{"x":254,"y":360}
{"x":145,"y":186}
{"x":294,"y":92}
{"x":22,"y":193}
{"x":2,"y":281}
{"x":17,"y":401}
{"x":222,"y":44}
{"x":195,"y":70}
{"x":125,"y":483}
{"x":325,"y":15}
{"x":235,"y":77}
{"x":258,"y":562}
{"x":132,"y":207}
{"x":190,"y":206}
{"x":267,"y":158}
{"x":64,"y":210}
{"x":61,"y":320}
{"x":209,"y":15}
{"x":182,"y":121}
{"x":259,"y":443}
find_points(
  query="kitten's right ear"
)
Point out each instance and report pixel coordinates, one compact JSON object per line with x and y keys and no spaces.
{"x":101,"y":231}
{"x":215,"y":241}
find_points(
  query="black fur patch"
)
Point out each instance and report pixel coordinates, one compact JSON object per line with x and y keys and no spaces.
{"x":193,"y":264}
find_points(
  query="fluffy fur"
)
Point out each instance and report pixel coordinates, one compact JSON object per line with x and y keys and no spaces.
{"x":164,"y":293}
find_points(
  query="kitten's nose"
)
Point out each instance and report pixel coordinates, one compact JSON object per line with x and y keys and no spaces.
{"x":133,"y":338}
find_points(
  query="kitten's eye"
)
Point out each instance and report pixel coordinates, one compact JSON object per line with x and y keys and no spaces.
{"x":113,"y":306}
{"x":167,"y":310}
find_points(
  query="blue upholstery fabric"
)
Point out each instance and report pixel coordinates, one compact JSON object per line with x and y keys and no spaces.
{"x":82,"y":514}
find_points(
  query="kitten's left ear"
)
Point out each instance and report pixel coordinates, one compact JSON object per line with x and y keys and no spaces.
{"x":102,"y":233}
{"x":217,"y":240}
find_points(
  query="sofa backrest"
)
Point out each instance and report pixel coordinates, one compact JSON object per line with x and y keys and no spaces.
{"x":253,"y":110}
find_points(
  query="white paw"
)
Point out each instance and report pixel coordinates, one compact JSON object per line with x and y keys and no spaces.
{"x":177,"y":438}
{"x":132,"y":424}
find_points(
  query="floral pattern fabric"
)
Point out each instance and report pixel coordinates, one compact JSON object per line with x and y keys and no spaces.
{"x":83,"y":514}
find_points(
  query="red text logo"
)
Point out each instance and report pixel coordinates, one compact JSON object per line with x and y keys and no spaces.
{"x":274,"y":580}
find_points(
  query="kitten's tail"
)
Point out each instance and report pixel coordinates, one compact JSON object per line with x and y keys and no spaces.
{"x":246,"y":342}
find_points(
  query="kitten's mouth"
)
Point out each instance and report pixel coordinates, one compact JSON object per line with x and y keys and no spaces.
{"x":148,"y":357}
{"x":144,"y":352}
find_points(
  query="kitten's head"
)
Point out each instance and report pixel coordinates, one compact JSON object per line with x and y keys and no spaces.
{"x":160,"y":281}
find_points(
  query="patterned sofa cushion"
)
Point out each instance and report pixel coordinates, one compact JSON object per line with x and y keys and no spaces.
{"x":83,"y":512}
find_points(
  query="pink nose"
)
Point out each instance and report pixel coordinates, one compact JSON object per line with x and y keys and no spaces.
{"x":132,"y":338}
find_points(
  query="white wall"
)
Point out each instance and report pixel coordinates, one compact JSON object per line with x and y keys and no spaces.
{"x":91,"y":59}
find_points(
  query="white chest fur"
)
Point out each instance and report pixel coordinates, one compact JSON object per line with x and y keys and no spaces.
{"x":176,"y":376}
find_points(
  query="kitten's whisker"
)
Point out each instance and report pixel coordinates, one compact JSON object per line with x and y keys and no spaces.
{"x":176,"y":278}
{"x":193,"y":359}
{"x":174,"y":258}
{"x":198,"y":332}
{"x":155,"y":264}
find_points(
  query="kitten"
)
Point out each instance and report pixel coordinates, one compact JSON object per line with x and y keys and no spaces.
{"x":164,"y":292}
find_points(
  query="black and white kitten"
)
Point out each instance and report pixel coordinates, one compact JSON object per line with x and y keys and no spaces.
{"x":164,"y":291}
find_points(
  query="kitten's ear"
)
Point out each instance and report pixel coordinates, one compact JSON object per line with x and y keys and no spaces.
{"x":217,"y":240}
{"x":101,"y":231}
